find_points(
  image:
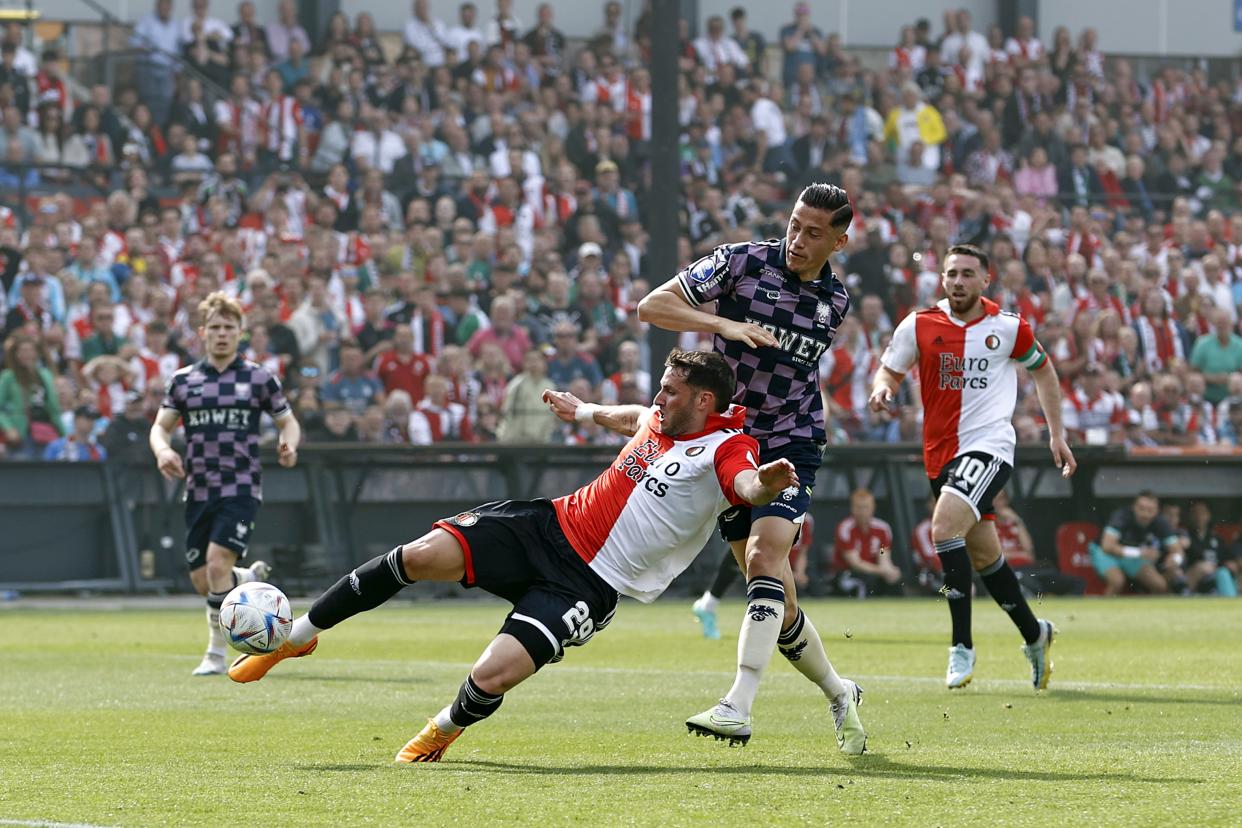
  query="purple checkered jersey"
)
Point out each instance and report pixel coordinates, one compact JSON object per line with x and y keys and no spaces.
{"x":221,"y":412}
{"x":778,"y":385}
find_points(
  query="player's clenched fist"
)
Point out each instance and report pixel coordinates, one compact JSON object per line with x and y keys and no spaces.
{"x":778,"y":475}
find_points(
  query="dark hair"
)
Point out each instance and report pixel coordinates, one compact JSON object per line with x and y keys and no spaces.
{"x":706,"y":371}
{"x":738,"y":12}
{"x":832,"y":200}
{"x":968,"y":250}
{"x":1147,"y":494}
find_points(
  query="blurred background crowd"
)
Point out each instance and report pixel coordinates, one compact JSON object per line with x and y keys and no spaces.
{"x":429,"y":227}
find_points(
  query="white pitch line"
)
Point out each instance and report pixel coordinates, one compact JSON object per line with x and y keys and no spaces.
{"x":41,"y":823}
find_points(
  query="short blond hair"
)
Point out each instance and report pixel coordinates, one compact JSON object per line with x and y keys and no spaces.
{"x":220,"y":303}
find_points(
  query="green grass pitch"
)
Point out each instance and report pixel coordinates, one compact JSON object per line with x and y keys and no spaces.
{"x":101,"y":723}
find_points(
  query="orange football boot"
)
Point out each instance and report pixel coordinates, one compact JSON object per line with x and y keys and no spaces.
{"x":246,"y":668}
{"x":428,"y":746}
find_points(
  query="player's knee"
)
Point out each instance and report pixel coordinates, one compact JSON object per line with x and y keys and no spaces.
{"x":945,"y":529}
{"x":498,"y":676}
{"x":764,"y":557}
{"x":218,"y":569}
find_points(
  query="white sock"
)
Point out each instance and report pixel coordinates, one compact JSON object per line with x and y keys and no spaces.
{"x":804,"y":649}
{"x":242,"y":575}
{"x":445,"y":722}
{"x":707,"y":602}
{"x":761,"y":628}
{"x":216,"y":645}
{"x":303,"y":631}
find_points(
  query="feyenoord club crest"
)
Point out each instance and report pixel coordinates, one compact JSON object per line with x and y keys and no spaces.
{"x":694,"y":451}
{"x":993,"y":342}
{"x":466,"y":519}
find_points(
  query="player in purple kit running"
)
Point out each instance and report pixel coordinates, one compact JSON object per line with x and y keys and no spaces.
{"x":778,"y":306}
{"x":221,"y":399}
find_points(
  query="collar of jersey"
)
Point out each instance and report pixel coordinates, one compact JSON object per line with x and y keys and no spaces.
{"x":733,"y":417}
{"x":819,"y":283}
{"x":990,"y":308}
{"x":205,"y":364}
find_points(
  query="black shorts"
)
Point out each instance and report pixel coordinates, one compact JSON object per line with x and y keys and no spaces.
{"x":806,"y":455}
{"x":227,"y":521}
{"x":976,"y":477}
{"x":515,"y":550}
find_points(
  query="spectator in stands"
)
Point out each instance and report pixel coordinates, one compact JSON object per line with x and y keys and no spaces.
{"x":802,"y":42}
{"x":353,"y":387}
{"x":523,"y":416}
{"x":1208,"y":558}
{"x":438,"y":419}
{"x":400,"y":369}
{"x":927,"y":567}
{"x":1094,"y":415}
{"x":286,"y":31}
{"x":1134,"y":540}
{"x":504,"y":331}
{"x":1218,"y":354}
{"x":426,"y":35}
{"x":317,"y":325}
{"x":752,"y":43}
{"x":247,"y":31}
{"x":456,"y":201}
{"x":30,"y":416}
{"x":568,"y":361}
{"x":915,"y":124}
{"x":125,"y":437}
{"x":1019,"y":550}
{"x":81,"y":444}
{"x":863,"y":560}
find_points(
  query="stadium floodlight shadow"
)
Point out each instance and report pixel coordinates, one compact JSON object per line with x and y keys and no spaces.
{"x":870,"y":764}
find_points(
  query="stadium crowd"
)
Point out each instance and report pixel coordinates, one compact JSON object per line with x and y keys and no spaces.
{"x":425,"y":237}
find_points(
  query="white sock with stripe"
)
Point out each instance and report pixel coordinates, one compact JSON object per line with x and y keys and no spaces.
{"x":761,"y":628}
{"x":804,"y":649}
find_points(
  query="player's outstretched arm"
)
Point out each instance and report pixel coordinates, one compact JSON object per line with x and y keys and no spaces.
{"x":160,"y":439}
{"x":666,"y":307}
{"x":884,"y":388}
{"x":623,"y":419}
{"x":289,"y":440}
{"x":762,"y":485}
{"x":1048,"y":389}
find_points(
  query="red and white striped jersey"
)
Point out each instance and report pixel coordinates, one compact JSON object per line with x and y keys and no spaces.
{"x":1093,"y":420}
{"x":967,"y":378}
{"x":642,"y":522}
{"x":282,"y":123}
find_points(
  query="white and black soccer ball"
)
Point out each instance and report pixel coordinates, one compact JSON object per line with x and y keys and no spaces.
{"x":256,"y":618}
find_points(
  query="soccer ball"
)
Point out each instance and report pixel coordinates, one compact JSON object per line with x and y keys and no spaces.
{"x":256,"y":617}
